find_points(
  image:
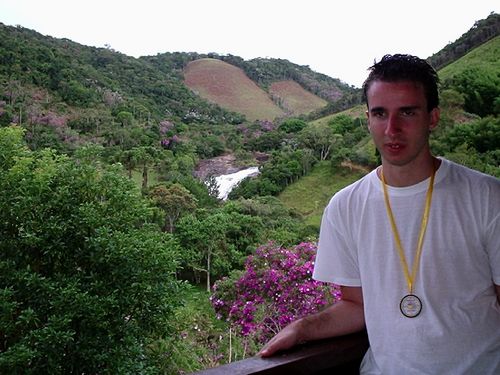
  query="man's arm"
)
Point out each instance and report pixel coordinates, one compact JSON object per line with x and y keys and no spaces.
{"x":344,"y":317}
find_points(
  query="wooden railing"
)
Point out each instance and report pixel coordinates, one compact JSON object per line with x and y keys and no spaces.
{"x":341,"y":355}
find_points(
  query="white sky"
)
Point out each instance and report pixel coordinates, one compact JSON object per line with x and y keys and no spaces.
{"x":338,"y":38}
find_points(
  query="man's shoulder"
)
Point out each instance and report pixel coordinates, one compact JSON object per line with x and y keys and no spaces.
{"x":357,"y":189}
{"x":457,"y":172}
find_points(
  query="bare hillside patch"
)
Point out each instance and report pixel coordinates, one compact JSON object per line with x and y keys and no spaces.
{"x":294,"y":99}
{"x":229,"y":87}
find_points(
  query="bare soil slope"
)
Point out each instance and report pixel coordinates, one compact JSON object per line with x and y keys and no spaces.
{"x":294,"y":99}
{"x":229,"y":87}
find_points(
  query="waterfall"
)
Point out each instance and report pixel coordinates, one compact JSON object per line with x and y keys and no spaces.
{"x":227,"y":182}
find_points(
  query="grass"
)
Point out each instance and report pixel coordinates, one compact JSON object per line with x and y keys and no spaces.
{"x":310,"y":195}
{"x":294,"y":98}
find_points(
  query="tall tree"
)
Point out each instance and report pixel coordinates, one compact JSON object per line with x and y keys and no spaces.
{"x":173,"y":200}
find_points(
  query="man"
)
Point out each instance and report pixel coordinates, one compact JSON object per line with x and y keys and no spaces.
{"x":414,"y":244}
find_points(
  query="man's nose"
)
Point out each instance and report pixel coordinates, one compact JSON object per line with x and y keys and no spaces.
{"x":393,"y":125}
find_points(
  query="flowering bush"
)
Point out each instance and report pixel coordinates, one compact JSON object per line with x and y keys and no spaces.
{"x":275,"y":289}
{"x":166,"y":126}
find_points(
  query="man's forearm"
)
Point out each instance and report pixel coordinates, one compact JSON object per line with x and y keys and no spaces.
{"x":342,"y":318}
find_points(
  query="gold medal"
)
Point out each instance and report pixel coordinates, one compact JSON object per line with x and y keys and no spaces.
{"x":410,"y":305}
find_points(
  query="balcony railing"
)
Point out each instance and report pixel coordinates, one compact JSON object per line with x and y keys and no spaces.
{"x":340,"y":355}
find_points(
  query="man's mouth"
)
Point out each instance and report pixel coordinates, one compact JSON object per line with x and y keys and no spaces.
{"x":394,"y":146}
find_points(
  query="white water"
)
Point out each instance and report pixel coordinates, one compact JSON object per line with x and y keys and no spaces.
{"x":227,"y":182}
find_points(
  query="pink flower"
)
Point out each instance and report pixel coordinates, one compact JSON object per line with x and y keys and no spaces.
{"x":275,"y":289}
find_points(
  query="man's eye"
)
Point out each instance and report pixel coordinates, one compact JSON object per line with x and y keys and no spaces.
{"x":408,"y":113}
{"x":378,"y":114}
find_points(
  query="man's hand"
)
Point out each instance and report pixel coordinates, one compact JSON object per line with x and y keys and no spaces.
{"x":285,"y":339}
{"x":341,"y":318}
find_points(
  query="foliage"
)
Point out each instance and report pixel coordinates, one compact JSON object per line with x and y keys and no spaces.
{"x":100,"y":76}
{"x":282,"y":169}
{"x":275,"y":289}
{"x":282,"y":224}
{"x":200,"y":341}
{"x":87,"y":281}
{"x":480,"y":89}
{"x":292,"y":125}
{"x":479,"y":33}
{"x":474,"y":144}
{"x":320,"y":138}
{"x":216,"y":241}
{"x":173,"y":200}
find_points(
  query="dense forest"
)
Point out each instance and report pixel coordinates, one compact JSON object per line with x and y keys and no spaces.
{"x":116,"y":258}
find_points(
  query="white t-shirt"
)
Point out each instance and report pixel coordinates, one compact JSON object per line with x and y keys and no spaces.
{"x":458,"y":330}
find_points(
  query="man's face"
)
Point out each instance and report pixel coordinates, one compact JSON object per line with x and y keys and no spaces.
{"x":399,"y":121}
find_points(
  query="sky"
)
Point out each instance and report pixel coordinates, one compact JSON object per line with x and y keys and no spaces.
{"x":338,"y":38}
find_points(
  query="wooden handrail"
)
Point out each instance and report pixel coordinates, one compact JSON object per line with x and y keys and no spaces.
{"x":340,"y":355}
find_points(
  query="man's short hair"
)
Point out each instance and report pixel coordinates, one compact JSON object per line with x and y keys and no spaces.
{"x":396,"y":68}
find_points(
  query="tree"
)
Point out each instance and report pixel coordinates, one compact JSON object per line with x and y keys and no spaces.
{"x":292,"y":125}
{"x":86,"y":277}
{"x":173,"y":200}
{"x":145,"y":156}
{"x":480,"y":89}
{"x":216,"y":241}
{"x":204,"y":239}
{"x":318,"y":137}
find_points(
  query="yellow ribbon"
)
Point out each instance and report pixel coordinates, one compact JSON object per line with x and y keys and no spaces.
{"x":410,"y":279}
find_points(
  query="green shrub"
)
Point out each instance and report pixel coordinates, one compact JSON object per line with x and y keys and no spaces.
{"x":86,"y":280}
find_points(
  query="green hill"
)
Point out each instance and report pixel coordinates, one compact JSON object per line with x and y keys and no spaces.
{"x":485,"y":58}
{"x":310,"y":195}
{"x":478,"y":34}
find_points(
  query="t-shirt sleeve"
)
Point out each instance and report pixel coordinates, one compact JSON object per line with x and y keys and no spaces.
{"x":491,"y":215}
{"x":336,"y":259}
{"x":493,"y":246}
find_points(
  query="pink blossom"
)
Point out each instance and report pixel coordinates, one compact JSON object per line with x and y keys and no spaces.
{"x":275,"y":289}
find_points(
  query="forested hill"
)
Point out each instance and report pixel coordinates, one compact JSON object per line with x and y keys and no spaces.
{"x":68,"y":94}
{"x":264,"y":72}
{"x":481,"y":32}
{"x":99,"y":78}
{"x":84,"y":77}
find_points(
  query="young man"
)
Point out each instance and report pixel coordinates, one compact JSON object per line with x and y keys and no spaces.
{"x":415,"y":244}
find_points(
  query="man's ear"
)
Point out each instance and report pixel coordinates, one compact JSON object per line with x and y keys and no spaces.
{"x":435,"y":116}
{"x":367,"y":119}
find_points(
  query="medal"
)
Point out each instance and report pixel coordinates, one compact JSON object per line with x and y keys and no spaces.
{"x":410,"y":305}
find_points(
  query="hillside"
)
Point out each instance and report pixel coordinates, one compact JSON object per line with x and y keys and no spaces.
{"x":318,"y":186}
{"x":229,"y":87}
{"x":484,"y":57}
{"x":479,"y":33}
{"x":294,"y":99}
{"x":357,"y":111}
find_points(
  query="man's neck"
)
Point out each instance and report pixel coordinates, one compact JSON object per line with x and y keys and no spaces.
{"x":408,"y":175}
